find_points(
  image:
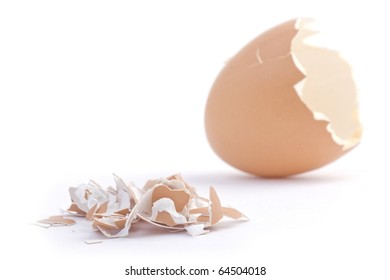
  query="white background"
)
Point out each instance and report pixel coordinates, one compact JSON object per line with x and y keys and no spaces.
{"x":88,"y":88}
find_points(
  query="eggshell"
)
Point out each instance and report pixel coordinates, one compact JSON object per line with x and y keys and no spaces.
{"x":255,"y":118}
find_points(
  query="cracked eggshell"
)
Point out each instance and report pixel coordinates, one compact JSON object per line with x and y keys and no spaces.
{"x":272,"y":112}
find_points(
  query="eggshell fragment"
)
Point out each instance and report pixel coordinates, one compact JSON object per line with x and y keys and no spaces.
{"x":93,"y":241}
{"x":57,"y":221}
{"x":216,"y":212}
{"x":179,"y":197}
{"x":281,"y":106}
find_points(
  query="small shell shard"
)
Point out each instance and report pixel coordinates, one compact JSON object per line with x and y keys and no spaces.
{"x":57,"y":221}
{"x":93,"y":241}
{"x":195,"y":230}
{"x":179,"y":196}
{"x":233,"y":213}
{"x":216,"y":207}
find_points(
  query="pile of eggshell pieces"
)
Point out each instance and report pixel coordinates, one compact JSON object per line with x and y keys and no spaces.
{"x":169,"y":203}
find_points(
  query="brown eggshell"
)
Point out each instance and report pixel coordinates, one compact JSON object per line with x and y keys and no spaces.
{"x":254,"y":118}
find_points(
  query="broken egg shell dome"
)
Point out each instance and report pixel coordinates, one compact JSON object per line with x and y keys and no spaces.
{"x":270,"y":116}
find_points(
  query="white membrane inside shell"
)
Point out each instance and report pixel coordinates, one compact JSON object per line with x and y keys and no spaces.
{"x":328,"y":89}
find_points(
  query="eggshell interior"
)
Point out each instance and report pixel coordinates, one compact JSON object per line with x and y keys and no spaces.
{"x":328,"y":89}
